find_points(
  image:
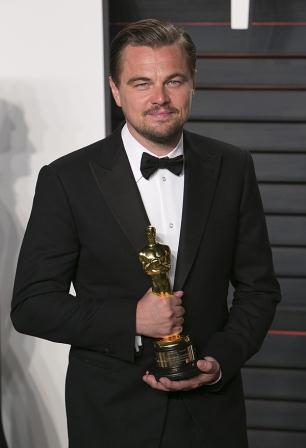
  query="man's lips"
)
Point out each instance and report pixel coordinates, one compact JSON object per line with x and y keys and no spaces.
{"x":160,"y":113}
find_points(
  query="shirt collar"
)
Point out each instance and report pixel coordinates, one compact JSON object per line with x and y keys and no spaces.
{"x":134,"y":151}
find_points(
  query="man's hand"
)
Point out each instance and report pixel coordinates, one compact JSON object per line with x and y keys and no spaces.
{"x":157,"y":316}
{"x":211,"y":373}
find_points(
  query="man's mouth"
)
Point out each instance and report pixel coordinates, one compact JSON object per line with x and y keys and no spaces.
{"x":161,"y":113}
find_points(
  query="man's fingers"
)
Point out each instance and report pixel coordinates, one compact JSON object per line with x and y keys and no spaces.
{"x":182,"y":385}
{"x":175,"y":301}
{"x":208,"y":365}
{"x":179,"y":312}
{"x":159,"y":316}
{"x":178,"y":294}
{"x":180,"y":321}
{"x":166,"y":385}
{"x":151,"y":381}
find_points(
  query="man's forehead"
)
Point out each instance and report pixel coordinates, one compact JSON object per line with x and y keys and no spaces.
{"x":164,"y":51}
{"x":143,"y":57}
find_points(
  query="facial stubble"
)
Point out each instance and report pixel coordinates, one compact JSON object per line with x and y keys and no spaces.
{"x":161,"y":134}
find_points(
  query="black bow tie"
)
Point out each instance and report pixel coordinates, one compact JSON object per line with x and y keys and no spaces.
{"x":149,"y":164}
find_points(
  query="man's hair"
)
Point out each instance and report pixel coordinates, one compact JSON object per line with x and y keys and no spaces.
{"x":150,"y":33}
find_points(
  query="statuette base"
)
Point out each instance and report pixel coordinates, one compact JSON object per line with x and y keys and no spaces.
{"x":175,"y":359}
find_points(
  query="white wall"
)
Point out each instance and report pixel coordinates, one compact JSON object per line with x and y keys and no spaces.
{"x":51,"y":102}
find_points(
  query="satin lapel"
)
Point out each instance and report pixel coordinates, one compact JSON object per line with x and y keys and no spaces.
{"x":116,"y":182}
{"x":201,"y":175}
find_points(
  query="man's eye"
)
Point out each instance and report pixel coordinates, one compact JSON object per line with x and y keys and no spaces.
{"x":142,"y":85}
{"x":174,"y":82}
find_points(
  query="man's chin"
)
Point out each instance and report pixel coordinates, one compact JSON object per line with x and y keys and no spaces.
{"x":162,"y":137}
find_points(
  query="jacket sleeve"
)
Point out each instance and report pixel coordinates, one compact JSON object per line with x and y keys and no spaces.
{"x":48,"y":260}
{"x":256,"y":290}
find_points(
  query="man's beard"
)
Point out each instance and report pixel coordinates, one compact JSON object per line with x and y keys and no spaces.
{"x":163,"y":135}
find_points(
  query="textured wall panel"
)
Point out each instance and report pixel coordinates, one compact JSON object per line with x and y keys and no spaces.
{"x":249,"y":105}
{"x":293,"y":292}
{"x":279,"y":10}
{"x":287,"y":231}
{"x":276,"y":137}
{"x":251,"y":72}
{"x":283,"y":415}
{"x":274,"y":384}
{"x":284,"y":199}
{"x":280,"y":167}
{"x":257,"y":40}
{"x":291,"y":318}
{"x":281,"y":351}
{"x":195,"y":10}
{"x":290,"y":261}
{"x":276,"y":439}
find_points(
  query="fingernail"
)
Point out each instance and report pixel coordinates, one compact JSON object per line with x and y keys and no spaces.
{"x":181,"y":293}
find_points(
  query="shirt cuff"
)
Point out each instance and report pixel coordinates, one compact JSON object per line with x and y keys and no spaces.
{"x":138,"y":343}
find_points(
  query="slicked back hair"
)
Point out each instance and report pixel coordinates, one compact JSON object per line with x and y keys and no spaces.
{"x":150,"y":33}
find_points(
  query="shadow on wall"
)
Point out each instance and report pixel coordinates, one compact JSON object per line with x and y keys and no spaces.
{"x":25,"y":415}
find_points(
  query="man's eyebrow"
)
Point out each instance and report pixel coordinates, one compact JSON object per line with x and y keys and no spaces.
{"x":177,"y":75}
{"x":138,"y":78}
{"x":131,"y":81}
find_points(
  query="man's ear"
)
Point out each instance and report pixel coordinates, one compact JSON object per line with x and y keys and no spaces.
{"x":115,"y":91}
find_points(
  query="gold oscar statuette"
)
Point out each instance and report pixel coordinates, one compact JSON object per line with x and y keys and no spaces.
{"x":174,"y":354}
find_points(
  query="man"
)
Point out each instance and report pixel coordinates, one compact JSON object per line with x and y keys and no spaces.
{"x":87,"y":226}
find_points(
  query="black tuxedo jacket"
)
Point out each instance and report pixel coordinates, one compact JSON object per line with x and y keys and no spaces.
{"x":87,"y":226}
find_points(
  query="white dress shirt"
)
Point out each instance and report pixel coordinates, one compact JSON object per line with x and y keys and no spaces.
{"x":162,"y":196}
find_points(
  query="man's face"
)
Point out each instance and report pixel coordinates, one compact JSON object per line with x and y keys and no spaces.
{"x":155,"y":90}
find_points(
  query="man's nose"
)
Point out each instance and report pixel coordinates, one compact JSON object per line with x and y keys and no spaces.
{"x":160,"y":95}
